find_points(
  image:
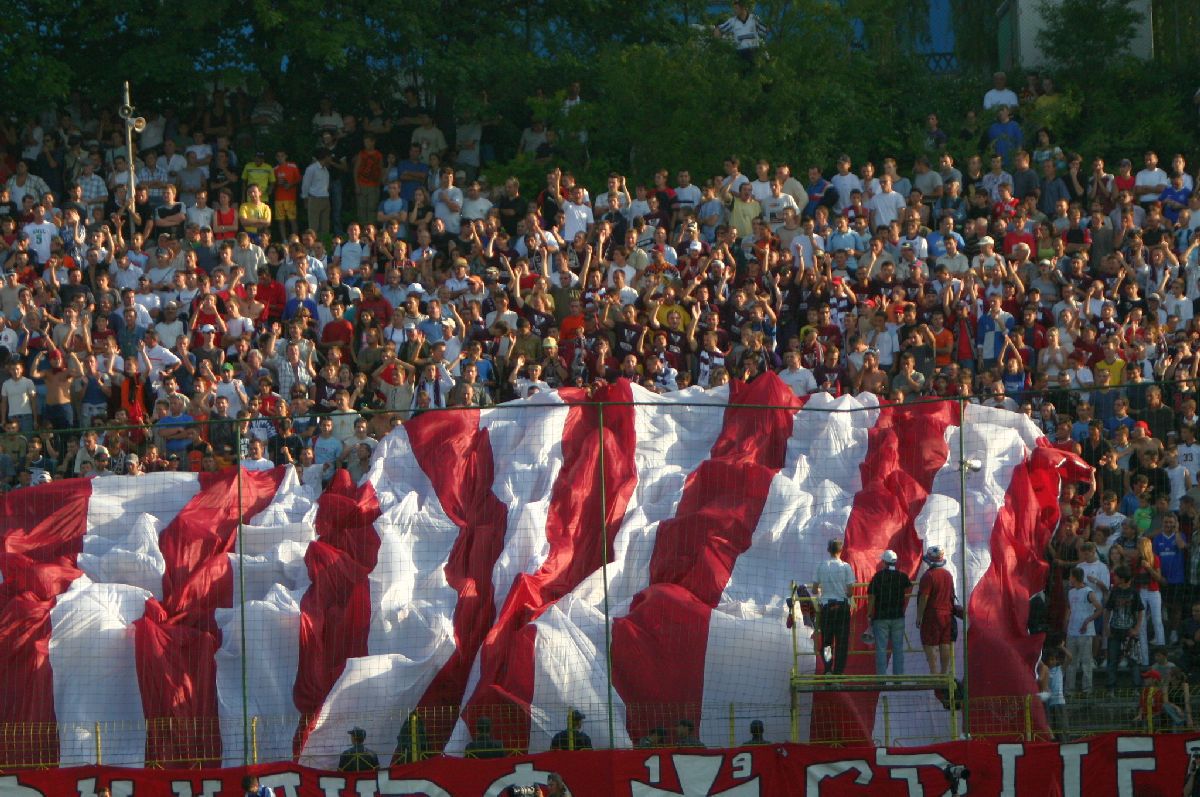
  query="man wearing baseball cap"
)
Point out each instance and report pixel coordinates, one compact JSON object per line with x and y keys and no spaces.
{"x":573,"y":738}
{"x":887,"y":599}
{"x":935,"y":610}
{"x":356,"y":757}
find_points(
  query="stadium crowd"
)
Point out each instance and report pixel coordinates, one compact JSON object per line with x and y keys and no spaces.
{"x":241,"y":306}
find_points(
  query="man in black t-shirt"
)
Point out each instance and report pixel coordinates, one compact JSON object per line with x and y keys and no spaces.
{"x":887,"y":598}
{"x":1123,"y":612}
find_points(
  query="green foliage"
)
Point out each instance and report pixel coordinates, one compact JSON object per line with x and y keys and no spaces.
{"x":1084,"y":37}
{"x":659,"y":89}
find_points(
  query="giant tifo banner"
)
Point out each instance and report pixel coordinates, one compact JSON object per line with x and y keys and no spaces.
{"x":1120,"y":766}
{"x":475,"y":570}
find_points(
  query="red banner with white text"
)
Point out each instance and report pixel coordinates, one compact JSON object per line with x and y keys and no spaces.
{"x":1127,"y":766}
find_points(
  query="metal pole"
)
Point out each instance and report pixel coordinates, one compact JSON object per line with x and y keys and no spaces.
{"x":129,"y":160}
{"x":962,"y":553}
{"x":237,"y":440}
{"x":604,"y":574}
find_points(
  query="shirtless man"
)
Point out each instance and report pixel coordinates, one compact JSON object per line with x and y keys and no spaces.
{"x":58,"y":370}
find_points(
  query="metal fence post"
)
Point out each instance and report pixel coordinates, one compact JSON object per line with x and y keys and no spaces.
{"x":604,"y":575}
{"x":246,"y":730}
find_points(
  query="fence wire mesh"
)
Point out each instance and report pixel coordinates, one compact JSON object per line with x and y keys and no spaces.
{"x":541,"y":575}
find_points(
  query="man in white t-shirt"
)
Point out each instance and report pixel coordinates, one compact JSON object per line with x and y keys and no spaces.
{"x":687,"y":195}
{"x":257,"y":460}
{"x":18,"y":399}
{"x":845,"y":181}
{"x":796,"y":376}
{"x":476,"y":206}
{"x":776,"y":205}
{"x":999,"y":94}
{"x":1150,"y":181}
{"x":832,"y":586}
{"x":761,"y":187}
{"x":577,"y":215}
{"x":447,"y":202}
{"x":41,"y":232}
{"x":887,"y":205}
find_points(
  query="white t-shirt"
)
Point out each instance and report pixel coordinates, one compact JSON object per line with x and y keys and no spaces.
{"x":801,"y":381}
{"x":576,"y":219}
{"x":845,"y":183}
{"x":1150,"y":177}
{"x":475,"y":209}
{"x":688,"y":196}
{"x":836,"y":579}
{"x":257,"y":464}
{"x":761,"y":189}
{"x":201,"y":217}
{"x":18,"y":394}
{"x":202,"y":151}
{"x":1081,"y":608}
{"x":1189,"y":456}
{"x":885,"y":208}
{"x":452,"y":218}
{"x":230,"y":390}
{"x":40,"y":233}
{"x":997,"y":97}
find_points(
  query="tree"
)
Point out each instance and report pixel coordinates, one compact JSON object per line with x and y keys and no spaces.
{"x":1085,"y":37}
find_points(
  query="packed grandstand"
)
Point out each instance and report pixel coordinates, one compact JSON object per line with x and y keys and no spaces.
{"x":348,"y":310}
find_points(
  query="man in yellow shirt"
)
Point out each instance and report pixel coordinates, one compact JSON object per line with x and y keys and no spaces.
{"x":255,"y":215}
{"x":258,"y":173}
{"x":1113,"y":364}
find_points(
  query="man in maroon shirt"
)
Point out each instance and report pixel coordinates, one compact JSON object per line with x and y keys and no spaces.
{"x":935,"y":610}
{"x":338,"y":331}
{"x":271,"y":294}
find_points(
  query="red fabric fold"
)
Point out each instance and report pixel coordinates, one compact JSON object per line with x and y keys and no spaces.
{"x":335,"y":612}
{"x":177,"y":638}
{"x":578,"y":538}
{"x":1002,"y":652}
{"x":41,"y":536}
{"x":694,"y":556}
{"x":456,"y":455}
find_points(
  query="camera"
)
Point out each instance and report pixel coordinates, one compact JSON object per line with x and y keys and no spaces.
{"x":957,"y":777}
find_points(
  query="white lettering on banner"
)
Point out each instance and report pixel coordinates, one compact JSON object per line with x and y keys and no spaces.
{"x":1009,"y":753}
{"x":11,"y":787}
{"x":288,"y":781}
{"x":365,"y":788}
{"x":522,"y":775}
{"x":119,"y":788}
{"x":332,"y":786}
{"x":414,"y":787}
{"x":1072,"y":763}
{"x":904,"y":767}
{"x":697,"y":774}
{"x":208,"y":788}
{"x":1128,"y":764}
{"x":819,"y":772}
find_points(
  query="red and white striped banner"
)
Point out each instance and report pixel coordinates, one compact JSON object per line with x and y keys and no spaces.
{"x":468,"y":570}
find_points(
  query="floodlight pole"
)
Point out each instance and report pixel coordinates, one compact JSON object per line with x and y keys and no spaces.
{"x":126,"y":113}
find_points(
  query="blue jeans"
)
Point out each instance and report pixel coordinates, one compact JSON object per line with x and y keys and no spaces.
{"x":61,"y":416}
{"x":884,"y":631}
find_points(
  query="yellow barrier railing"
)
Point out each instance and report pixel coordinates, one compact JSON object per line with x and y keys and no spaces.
{"x":425,"y":732}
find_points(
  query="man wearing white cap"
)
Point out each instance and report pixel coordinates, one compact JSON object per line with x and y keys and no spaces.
{"x":887,"y":599}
